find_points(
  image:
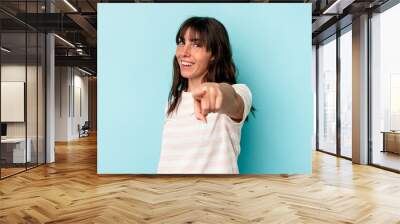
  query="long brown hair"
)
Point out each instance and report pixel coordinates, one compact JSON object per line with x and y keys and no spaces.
{"x":213,"y":35}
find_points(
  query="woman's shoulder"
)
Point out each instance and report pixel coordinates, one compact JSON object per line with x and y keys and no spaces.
{"x":241,"y":88}
{"x":240,"y":85}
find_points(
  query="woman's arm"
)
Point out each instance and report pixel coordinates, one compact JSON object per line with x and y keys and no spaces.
{"x":220,"y":98}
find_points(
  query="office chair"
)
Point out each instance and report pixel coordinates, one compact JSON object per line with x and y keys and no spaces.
{"x":84,"y":130}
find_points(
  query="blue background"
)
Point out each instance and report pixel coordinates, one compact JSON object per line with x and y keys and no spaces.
{"x":272,"y":49}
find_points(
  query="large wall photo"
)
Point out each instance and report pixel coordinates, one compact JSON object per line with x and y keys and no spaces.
{"x":271,"y":48}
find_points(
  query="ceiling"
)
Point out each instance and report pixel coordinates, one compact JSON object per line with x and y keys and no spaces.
{"x":76,"y":22}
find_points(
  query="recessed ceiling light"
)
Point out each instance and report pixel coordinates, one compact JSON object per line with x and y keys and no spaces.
{"x":5,"y":50}
{"x":64,"y":40}
{"x":337,"y":7}
{"x":84,"y":71}
{"x":70,"y":5}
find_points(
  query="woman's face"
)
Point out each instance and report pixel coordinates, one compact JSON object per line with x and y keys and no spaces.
{"x":193,"y":58}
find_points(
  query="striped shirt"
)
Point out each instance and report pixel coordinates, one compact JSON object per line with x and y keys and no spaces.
{"x":192,"y":146}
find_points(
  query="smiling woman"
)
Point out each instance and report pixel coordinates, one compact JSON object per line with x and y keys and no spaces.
{"x":206,"y":108}
{"x":192,"y":57}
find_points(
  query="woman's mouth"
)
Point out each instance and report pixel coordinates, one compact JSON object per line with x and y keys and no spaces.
{"x":186,"y":64}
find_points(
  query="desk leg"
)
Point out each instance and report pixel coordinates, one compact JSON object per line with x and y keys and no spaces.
{"x":384,"y":143}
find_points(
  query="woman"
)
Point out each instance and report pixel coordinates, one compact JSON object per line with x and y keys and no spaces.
{"x":206,"y":108}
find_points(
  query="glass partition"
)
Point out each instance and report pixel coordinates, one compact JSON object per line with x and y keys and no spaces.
{"x":14,"y":153}
{"x":22,"y":77}
{"x":385,"y":89}
{"x":346,"y":93}
{"x":327,"y":96}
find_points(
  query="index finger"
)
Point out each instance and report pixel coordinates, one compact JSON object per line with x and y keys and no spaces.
{"x":198,"y":93}
{"x":197,"y":110}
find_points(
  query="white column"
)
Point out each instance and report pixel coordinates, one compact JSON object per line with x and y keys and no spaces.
{"x":50,"y":93}
{"x":360,"y":90}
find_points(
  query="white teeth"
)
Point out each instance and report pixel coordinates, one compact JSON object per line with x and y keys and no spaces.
{"x":184,"y":63}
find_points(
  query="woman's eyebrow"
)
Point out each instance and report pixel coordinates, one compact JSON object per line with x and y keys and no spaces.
{"x":195,"y":40}
{"x":192,"y":40}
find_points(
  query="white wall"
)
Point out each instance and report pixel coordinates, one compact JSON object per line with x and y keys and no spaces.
{"x":79,"y":117}
{"x":16,"y":72}
{"x":71,"y":93}
{"x":61,"y":103}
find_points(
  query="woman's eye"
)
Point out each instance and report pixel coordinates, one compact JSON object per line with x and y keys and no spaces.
{"x":180,"y":43}
{"x":196,"y":45}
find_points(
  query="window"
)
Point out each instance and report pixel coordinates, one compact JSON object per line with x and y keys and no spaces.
{"x":385,"y":88}
{"x":346,"y":93}
{"x":327,"y":96}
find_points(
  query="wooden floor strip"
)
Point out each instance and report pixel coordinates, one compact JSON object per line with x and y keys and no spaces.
{"x":70,"y":191}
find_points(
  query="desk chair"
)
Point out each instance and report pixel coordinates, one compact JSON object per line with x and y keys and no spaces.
{"x":84,"y":130}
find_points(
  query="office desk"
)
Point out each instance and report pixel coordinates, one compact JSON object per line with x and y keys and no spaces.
{"x":15,"y":148}
{"x":391,"y":141}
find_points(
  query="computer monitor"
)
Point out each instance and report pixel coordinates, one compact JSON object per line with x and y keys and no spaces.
{"x":3,"y":129}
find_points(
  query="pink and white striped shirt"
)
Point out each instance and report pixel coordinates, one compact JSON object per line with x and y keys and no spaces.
{"x":192,"y":146}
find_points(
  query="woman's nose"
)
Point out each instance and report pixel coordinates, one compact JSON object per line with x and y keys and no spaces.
{"x":186,"y":50}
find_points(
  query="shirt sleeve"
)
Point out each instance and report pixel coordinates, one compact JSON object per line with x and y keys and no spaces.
{"x":243,"y":91}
